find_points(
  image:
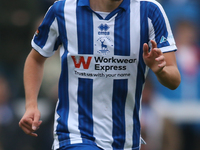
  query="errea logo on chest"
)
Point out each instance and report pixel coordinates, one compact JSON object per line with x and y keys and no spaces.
{"x":103,"y":29}
{"x":103,"y":42}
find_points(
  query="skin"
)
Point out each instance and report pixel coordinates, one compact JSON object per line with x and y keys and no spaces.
{"x":33,"y":73}
{"x":104,"y":5}
{"x":163,"y":65}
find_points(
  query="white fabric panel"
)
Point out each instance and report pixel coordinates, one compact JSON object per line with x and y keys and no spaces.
{"x":70,"y":19}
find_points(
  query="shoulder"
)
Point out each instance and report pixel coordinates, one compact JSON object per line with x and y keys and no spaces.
{"x":149,"y":1}
{"x":150,"y":4}
{"x":58,"y":3}
{"x":152,"y":8}
{"x":57,"y":6}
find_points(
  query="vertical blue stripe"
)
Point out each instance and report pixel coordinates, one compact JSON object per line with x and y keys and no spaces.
{"x":159,"y":24}
{"x":85,"y":30}
{"x":120,"y":89}
{"x":63,"y":106}
{"x":44,"y":28}
{"x":85,"y":92}
{"x":62,"y":39}
{"x":122,"y":33}
{"x":144,"y":38}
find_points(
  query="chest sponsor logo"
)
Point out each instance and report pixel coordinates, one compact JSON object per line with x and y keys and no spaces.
{"x":91,"y":66}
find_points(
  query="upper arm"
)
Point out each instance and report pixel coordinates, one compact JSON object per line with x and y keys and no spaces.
{"x":37,"y":57}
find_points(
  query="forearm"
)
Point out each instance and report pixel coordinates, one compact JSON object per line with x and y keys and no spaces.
{"x":33,"y":74}
{"x":169,"y":77}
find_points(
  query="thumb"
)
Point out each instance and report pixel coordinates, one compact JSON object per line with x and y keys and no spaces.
{"x":36,"y":122}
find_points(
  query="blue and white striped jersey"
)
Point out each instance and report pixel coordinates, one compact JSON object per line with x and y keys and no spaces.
{"x":103,"y":72}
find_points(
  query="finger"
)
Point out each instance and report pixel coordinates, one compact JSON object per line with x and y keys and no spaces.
{"x":28,"y":130}
{"x":36,"y":122}
{"x":160,"y":58}
{"x":161,"y":61}
{"x":23,"y":125}
{"x":33,"y":134}
{"x":154,"y":44}
{"x":29,"y":125}
{"x":26,"y":122}
{"x":145,"y":49}
{"x":157,"y":51}
{"x":162,"y":64}
{"x":26,"y":125}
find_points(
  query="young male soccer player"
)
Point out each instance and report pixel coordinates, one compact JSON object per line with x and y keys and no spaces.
{"x":106,"y":48}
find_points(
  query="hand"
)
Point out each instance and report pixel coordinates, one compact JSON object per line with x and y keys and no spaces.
{"x":154,"y":59}
{"x":30,"y":122}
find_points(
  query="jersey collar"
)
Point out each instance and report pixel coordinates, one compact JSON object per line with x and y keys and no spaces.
{"x":124,"y":5}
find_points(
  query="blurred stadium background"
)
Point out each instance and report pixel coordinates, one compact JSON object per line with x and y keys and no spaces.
{"x":170,"y":119}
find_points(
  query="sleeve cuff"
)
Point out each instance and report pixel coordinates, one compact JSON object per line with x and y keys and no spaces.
{"x":168,"y":48}
{"x":41,"y":51}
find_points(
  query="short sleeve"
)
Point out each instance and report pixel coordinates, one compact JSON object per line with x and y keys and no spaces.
{"x":159,"y":28}
{"x":45,"y":39}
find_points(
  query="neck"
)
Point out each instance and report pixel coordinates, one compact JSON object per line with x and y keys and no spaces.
{"x":104,"y":5}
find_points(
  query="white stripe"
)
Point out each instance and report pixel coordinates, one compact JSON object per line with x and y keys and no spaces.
{"x":70,"y":19}
{"x":151,"y":32}
{"x":102,"y":112}
{"x":56,"y":141}
{"x":168,"y":48}
{"x":135,"y":47}
{"x":102,"y":102}
{"x":99,"y":38}
{"x":73,"y":122}
{"x":62,"y":51}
